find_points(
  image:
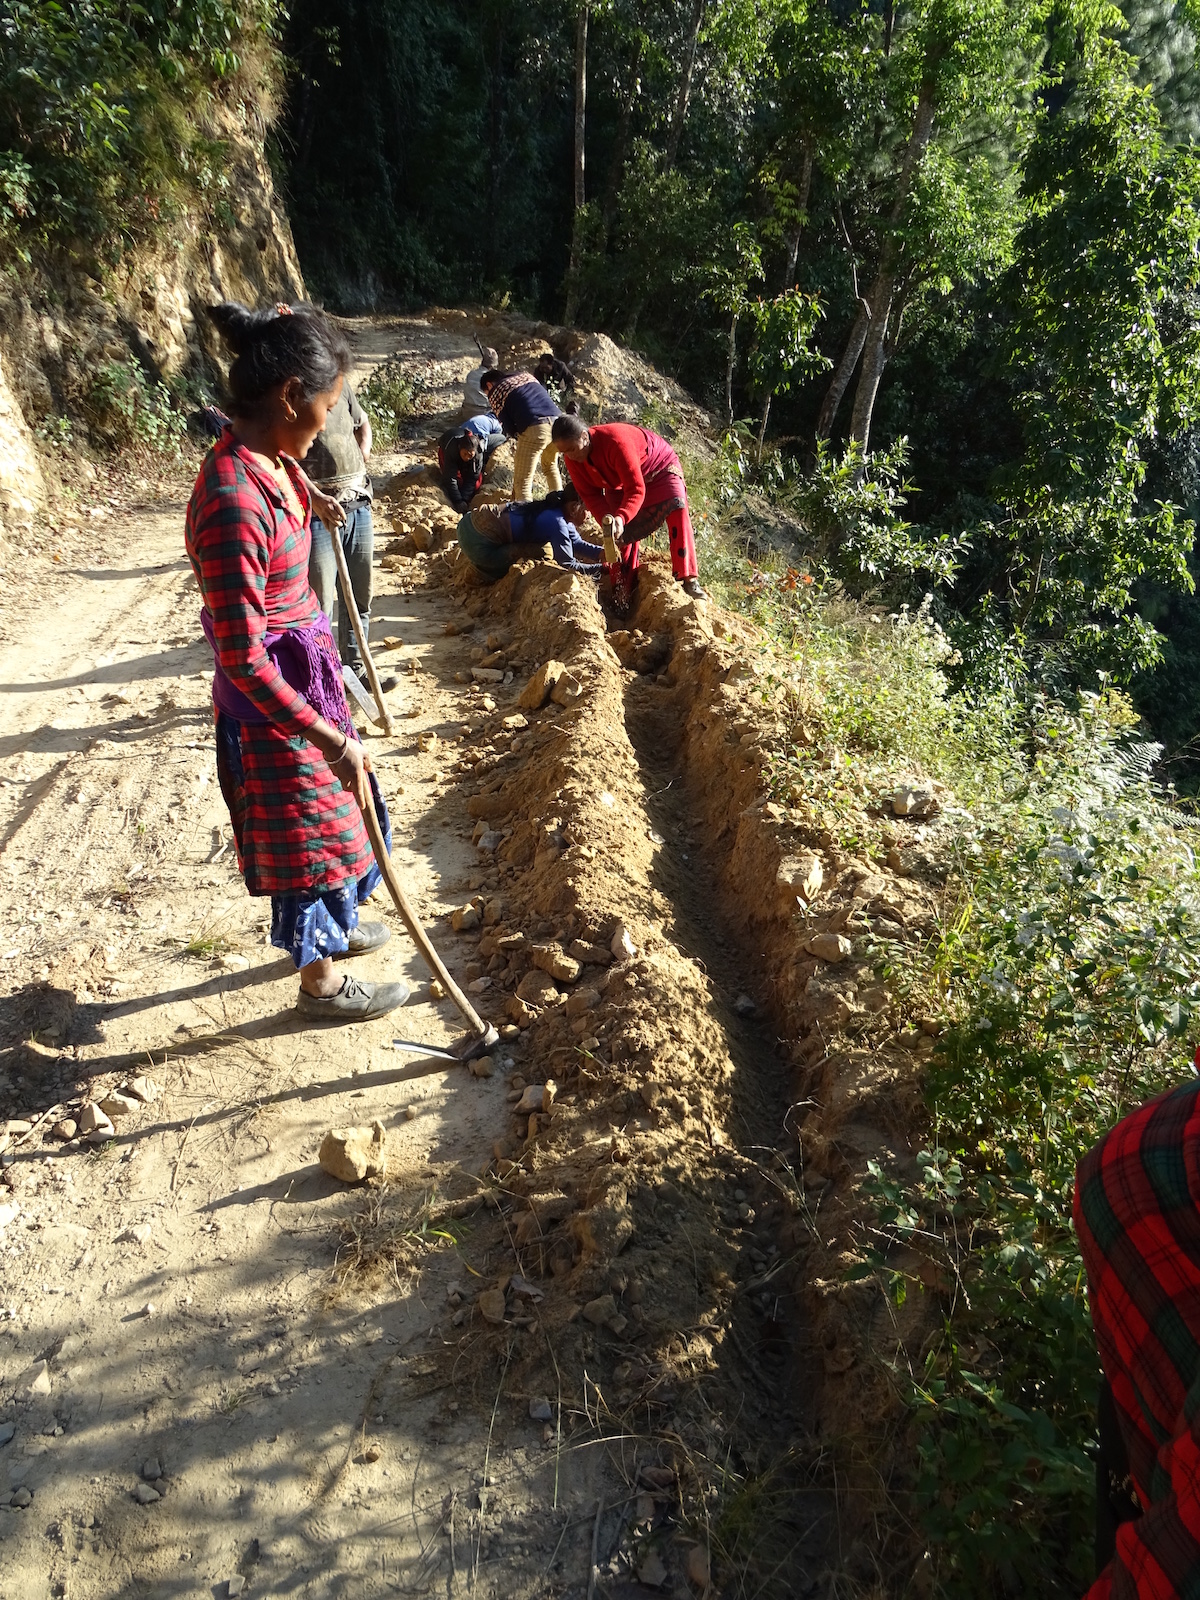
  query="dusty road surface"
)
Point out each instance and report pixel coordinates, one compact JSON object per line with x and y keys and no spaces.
{"x":222,"y":1371}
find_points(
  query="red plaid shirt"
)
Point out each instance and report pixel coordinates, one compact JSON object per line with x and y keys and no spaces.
{"x":1137,"y":1214}
{"x":250,"y":557}
{"x":298,"y":830}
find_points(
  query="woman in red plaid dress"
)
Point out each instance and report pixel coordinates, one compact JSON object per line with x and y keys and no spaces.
{"x":292,"y":770}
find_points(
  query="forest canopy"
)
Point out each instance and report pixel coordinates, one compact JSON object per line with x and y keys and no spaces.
{"x":949,"y":244}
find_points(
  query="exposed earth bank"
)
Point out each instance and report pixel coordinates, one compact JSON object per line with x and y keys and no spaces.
{"x":589,"y":1332}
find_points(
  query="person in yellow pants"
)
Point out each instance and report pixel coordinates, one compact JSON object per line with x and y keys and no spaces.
{"x":526,"y":413}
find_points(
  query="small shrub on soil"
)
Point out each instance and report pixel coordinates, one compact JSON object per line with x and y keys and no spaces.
{"x":128,"y":411}
{"x":388,"y":397}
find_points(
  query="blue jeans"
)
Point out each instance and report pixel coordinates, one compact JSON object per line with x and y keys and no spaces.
{"x":358,"y":541}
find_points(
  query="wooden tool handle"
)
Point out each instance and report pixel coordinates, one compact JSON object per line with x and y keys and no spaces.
{"x":412,"y":922}
{"x":339,"y":555}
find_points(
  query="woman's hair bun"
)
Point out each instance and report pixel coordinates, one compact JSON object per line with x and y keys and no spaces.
{"x":238,"y":326}
{"x":274,"y":346}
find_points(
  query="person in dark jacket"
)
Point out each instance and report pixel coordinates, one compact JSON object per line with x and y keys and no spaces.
{"x":465,"y":456}
{"x":526,"y":413}
{"x":493,"y":537}
{"x":555,"y":376}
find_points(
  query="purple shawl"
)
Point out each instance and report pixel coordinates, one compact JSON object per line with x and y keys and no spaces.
{"x":307,"y":659}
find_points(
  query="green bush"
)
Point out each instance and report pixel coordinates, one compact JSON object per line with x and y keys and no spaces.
{"x":127,"y":411}
{"x":388,"y":397}
{"x":1066,"y":969}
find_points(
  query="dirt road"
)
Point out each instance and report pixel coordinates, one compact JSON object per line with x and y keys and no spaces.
{"x":198,"y":1397}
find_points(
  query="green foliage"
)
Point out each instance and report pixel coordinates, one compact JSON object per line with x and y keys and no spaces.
{"x":1066,"y":967}
{"x":388,"y":397}
{"x":1105,"y":331}
{"x":851,"y":508}
{"x":101,"y":110}
{"x":126,"y":410}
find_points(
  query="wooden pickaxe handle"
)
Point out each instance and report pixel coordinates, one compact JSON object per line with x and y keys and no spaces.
{"x":412,"y":922}
{"x":339,"y":555}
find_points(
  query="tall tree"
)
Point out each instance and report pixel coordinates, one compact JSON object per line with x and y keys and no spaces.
{"x":581,"y":36}
{"x":948,"y":78}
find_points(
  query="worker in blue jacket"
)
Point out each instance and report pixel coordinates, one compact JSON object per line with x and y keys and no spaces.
{"x":493,"y":537}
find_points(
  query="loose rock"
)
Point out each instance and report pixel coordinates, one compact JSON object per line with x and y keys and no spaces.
{"x":235,"y":1585}
{"x":93,"y":1120}
{"x":21,"y":1498}
{"x":652,"y":1571}
{"x":540,"y":1410}
{"x":622,"y":945}
{"x":117,"y":1105}
{"x":537,"y":690}
{"x":352,"y":1154}
{"x":151,"y":1469}
{"x":482,"y":1068}
{"x":139,"y":1233}
{"x":145,"y":1494}
{"x":464,"y":919}
{"x":801,"y":877}
{"x":35,"y":1380}
{"x":492,"y":1305}
{"x":552,"y":960}
{"x":63,"y":1130}
{"x":538,"y":988}
{"x":698,"y":1567}
{"x":602,"y":1310}
{"x":143,"y":1089}
{"x":831,"y":947}
{"x":536,"y":1097}
{"x":7,"y":1431}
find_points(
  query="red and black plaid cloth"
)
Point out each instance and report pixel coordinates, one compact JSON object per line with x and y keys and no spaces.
{"x":301,"y":830}
{"x":1137,"y":1214}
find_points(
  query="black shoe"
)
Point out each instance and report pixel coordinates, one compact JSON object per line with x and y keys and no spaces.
{"x":354,"y":1002}
{"x":691,"y":587}
{"x":387,"y":680}
{"x":366,"y":937}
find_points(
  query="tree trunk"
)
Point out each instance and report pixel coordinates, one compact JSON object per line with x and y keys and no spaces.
{"x":880,"y":299}
{"x":842,"y":374}
{"x":874,"y":359}
{"x":793,"y":246}
{"x":762,"y":428}
{"x":729,"y":366}
{"x":616,"y":171}
{"x":581,"y":30}
{"x":679,"y":114}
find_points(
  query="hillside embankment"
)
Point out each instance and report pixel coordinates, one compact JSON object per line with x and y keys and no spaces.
{"x":590,"y":1333}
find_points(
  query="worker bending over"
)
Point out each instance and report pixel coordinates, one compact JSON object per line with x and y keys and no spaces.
{"x":493,"y":537}
{"x":526,"y":412}
{"x":631,"y":482}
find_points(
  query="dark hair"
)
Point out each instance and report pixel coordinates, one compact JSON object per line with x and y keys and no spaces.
{"x":270,"y":347}
{"x":568,"y":429}
{"x":559,"y":499}
{"x":493,"y":375}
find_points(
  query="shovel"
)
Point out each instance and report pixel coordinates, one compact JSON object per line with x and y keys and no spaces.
{"x":384,"y":719}
{"x":485,"y":1035}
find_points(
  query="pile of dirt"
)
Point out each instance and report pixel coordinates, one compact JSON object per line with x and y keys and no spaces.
{"x":616,"y":1197}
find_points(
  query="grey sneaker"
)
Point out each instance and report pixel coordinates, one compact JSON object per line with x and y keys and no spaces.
{"x":367,"y":936}
{"x":354,"y":1002}
{"x":691,"y":587}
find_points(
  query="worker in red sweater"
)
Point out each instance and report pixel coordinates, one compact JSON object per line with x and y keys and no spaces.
{"x":631,"y":482}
